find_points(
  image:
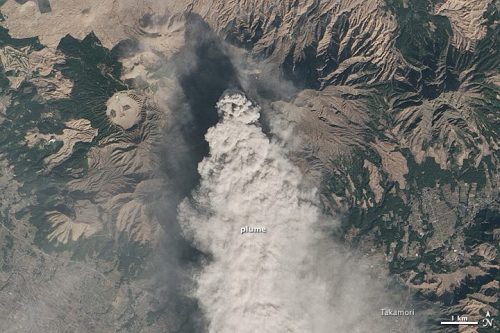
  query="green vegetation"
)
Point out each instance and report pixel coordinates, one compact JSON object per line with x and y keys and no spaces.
{"x":95,"y":72}
{"x":426,"y":174}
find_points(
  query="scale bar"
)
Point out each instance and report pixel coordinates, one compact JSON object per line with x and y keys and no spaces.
{"x":459,"y":322}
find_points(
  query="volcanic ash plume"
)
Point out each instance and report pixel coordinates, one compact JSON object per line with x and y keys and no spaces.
{"x":263,"y":281}
{"x":253,"y":282}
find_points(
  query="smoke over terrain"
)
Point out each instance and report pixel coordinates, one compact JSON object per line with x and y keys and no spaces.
{"x":248,"y":166}
{"x":291,"y":278}
{"x":215,"y":154}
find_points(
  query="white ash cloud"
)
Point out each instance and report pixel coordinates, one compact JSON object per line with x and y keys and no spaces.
{"x":290,"y":279}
